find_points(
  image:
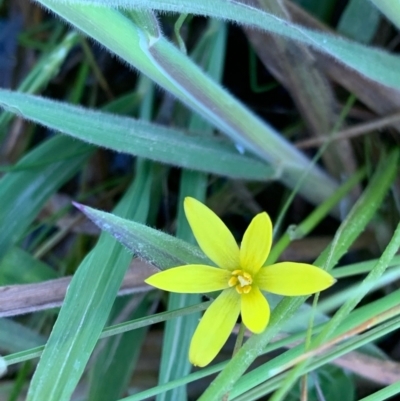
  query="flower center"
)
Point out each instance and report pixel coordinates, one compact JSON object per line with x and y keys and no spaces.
{"x":241,"y":281}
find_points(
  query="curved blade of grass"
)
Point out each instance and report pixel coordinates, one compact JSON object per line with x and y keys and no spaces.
{"x":139,"y":138}
{"x":139,"y":42}
{"x":352,"y":226}
{"x":87,"y":304}
{"x":35,"y":178}
{"x":361,"y":58}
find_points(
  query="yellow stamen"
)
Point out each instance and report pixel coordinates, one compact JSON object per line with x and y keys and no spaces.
{"x":241,"y":280}
{"x":232,"y":281}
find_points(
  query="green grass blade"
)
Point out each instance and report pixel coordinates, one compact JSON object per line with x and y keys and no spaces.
{"x":110,"y":376}
{"x":139,"y":138}
{"x":358,"y":57}
{"x":33,"y":180}
{"x":87,"y":304}
{"x":384,"y":394}
{"x":160,"y":249}
{"x":140,"y":44}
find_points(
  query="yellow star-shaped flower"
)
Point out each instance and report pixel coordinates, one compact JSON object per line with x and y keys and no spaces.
{"x":240,"y":275}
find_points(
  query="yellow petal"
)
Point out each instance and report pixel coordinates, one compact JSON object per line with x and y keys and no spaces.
{"x":255,"y":310}
{"x":214,"y":328}
{"x":212,"y":235}
{"x":289,"y":278}
{"x":191,"y":279}
{"x":256,"y":243}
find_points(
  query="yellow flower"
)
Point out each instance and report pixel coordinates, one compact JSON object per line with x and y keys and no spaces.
{"x":240,"y":276}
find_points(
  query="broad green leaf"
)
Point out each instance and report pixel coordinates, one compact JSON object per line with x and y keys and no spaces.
{"x":33,"y":180}
{"x":138,"y":41}
{"x":361,"y":58}
{"x":140,"y":138}
{"x":87,"y":304}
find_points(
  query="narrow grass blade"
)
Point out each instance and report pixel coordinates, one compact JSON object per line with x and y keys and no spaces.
{"x":87,"y":304}
{"x":110,"y":376}
{"x":160,"y":249}
{"x":139,"y":138}
{"x":33,"y":180}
